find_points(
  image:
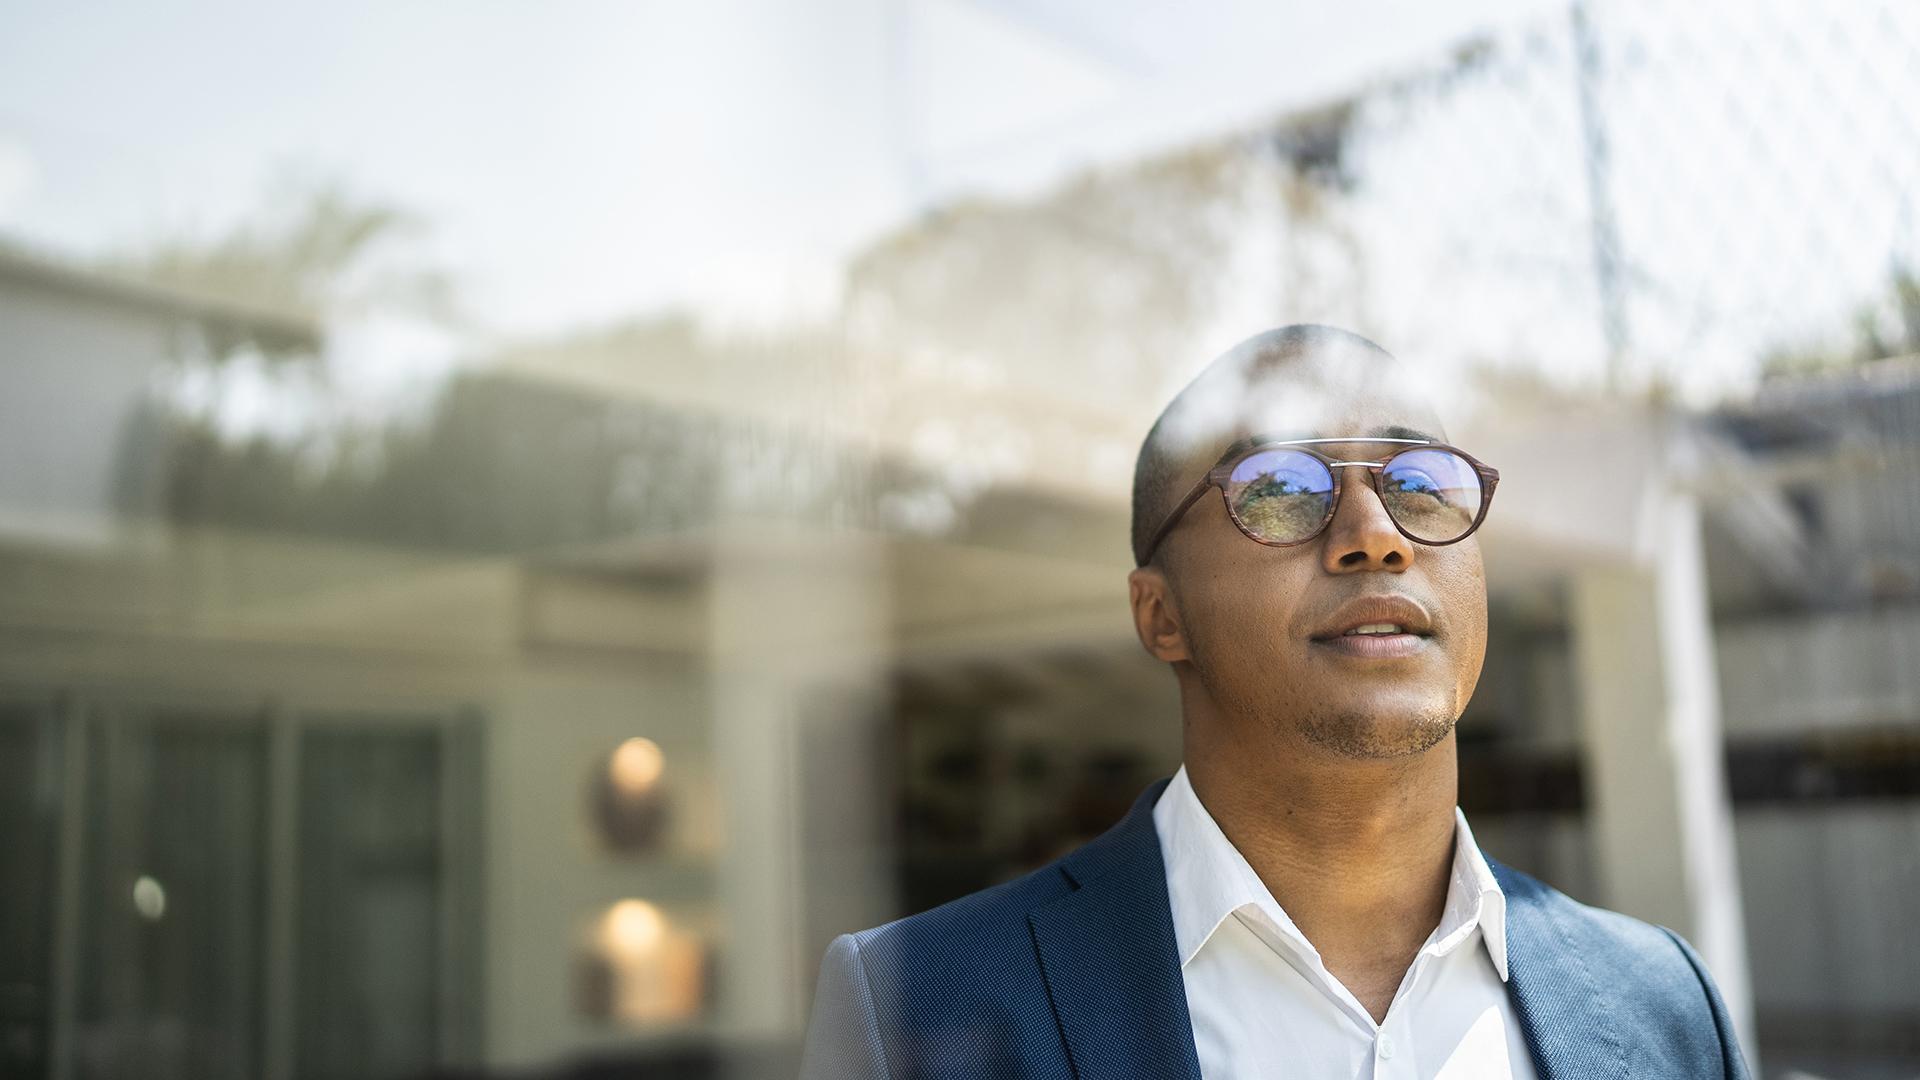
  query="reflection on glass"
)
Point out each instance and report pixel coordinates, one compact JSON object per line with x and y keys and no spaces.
{"x":180,"y":799}
{"x":637,"y":764}
{"x":371,"y":903}
{"x":640,"y":969}
{"x":632,"y":929}
{"x":30,"y":759}
{"x":630,"y":801}
{"x":149,"y":899}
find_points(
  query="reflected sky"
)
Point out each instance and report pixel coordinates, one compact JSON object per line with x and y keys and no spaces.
{"x":594,"y":159}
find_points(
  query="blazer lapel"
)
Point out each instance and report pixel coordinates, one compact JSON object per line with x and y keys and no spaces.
{"x":1565,"y":1013}
{"x":1112,"y":970}
{"x":1108,"y":957}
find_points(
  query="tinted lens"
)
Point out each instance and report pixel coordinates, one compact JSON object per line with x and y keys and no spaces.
{"x":1433,"y":495}
{"x":1280,"y":496}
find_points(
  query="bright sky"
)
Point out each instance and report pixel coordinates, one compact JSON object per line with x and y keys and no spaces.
{"x":582,"y":161}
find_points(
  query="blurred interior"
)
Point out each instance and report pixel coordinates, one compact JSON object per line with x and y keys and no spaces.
{"x":458,"y":626}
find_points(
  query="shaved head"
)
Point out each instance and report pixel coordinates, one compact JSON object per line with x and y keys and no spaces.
{"x":1292,"y":382}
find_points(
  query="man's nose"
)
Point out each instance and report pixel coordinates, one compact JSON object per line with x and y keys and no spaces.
{"x":1361,"y":536}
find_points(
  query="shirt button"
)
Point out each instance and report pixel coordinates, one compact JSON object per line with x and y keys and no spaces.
{"x":1385,"y":1046}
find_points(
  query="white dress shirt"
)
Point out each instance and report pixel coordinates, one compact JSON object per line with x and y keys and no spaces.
{"x":1264,"y":1005}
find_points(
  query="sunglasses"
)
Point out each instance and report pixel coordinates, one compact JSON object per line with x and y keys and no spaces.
{"x":1281,"y":494}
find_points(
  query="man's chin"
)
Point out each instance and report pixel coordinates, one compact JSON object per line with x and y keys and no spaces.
{"x":1378,"y":735}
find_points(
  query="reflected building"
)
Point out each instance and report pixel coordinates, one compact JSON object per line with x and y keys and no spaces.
{"x":563,"y":731}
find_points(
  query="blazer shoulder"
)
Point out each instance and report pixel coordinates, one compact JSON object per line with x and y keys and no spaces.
{"x":956,"y":931}
{"x":1650,"y":979}
{"x":958,"y":990}
{"x":970,"y":929}
{"x":1603,"y":932}
{"x":1610,"y":937}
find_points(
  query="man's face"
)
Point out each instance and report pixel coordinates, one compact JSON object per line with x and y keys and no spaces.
{"x":1255,"y":617}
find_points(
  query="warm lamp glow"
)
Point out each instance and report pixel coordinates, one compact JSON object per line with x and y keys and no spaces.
{"x":632,"y":929}
{"x":642,"y":969}
{"x":636,"y":766}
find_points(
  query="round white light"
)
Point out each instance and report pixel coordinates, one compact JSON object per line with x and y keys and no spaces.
{"x":149,"y":899}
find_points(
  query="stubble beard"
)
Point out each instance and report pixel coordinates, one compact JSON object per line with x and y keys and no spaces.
{"x":1350,"y":733}
{"x":1372,"y":737}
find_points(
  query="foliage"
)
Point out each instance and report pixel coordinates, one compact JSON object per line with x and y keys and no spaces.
{"x":1887,"y":326}
{"x":499,"y":464}
{"x":1101,"y":280}
{"x":314,"y":249}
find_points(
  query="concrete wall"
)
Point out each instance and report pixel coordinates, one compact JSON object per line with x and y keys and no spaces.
{"x":1788,"y":675}
{"x":548,"y":875}
{"x":1831,"y":904}
{"x":1778,"y":676}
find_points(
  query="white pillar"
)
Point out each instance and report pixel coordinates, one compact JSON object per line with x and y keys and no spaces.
{"x":1657,"y":805}
{"x":799,"y":638}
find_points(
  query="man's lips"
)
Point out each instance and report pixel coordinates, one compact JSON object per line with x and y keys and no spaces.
{"x":1394,"y":609}
{"x":1375,"y":646}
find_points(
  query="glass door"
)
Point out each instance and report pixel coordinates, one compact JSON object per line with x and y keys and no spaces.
{"x":173,"y":901}
{"x":30,"y":766}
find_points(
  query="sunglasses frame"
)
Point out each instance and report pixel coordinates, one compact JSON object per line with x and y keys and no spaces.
{"x":1222,"y":471}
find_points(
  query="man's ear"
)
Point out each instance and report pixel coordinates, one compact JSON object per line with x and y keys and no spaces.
{"x":1156,"y":619}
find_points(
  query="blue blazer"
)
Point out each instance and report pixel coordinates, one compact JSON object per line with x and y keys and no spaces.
{"x":1071,"y":972}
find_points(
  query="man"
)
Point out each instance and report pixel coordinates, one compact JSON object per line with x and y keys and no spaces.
{"x":1303,"y":898}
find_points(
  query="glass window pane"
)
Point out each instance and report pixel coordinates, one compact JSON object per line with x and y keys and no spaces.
{"x":174,"y":924}
{"x":370,"y":903}
{"x":29,"y":829}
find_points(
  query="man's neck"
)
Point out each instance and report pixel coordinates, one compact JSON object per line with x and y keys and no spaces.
{"x":1356,"y":851}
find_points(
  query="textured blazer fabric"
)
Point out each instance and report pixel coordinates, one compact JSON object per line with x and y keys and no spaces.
{"x":1071,"y":972}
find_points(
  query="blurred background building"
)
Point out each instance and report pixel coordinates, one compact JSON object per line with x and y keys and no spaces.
{"x":639,"y":495}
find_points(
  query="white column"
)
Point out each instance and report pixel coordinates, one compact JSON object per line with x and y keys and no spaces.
{"x":799,"y":636}
{"x":1657,"y":804}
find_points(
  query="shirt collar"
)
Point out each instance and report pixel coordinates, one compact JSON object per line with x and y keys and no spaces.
{"x":1208,"y":880}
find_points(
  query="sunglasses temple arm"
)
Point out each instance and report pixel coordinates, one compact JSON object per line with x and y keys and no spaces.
{"x":1173,"y":517}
